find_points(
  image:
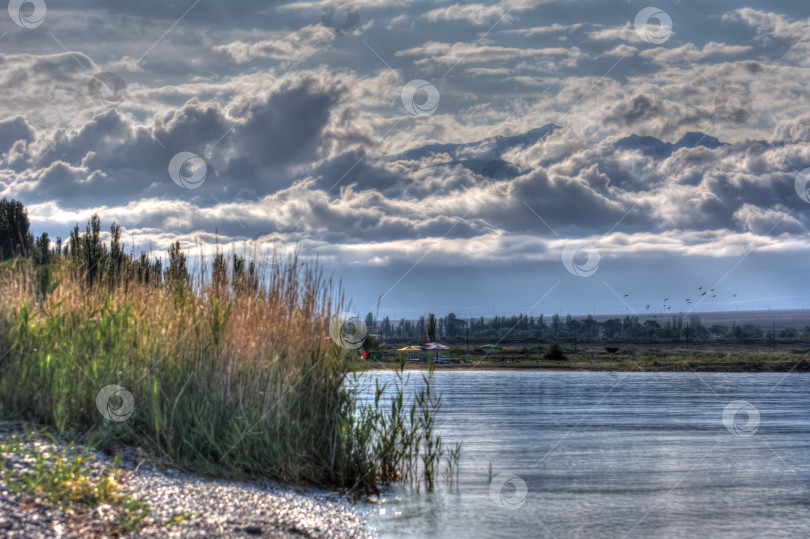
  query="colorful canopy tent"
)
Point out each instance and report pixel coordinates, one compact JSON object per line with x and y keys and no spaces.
{"x":437,"y":348}
{"x":491,"y":347}
{"x":415,"y":353}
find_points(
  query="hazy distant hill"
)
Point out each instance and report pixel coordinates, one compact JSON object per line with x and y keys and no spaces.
{"x":485,"y":156}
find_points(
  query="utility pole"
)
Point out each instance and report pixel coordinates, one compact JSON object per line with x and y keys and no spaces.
{"x":687,"y":334}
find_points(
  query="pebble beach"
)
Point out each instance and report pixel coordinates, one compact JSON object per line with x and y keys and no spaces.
{"x":211,"y":507}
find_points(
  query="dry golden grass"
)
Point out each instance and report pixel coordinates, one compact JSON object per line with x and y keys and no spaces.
{"x":231,"y":370}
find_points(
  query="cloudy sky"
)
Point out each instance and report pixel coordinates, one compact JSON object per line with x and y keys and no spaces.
{"x":508,"y":157}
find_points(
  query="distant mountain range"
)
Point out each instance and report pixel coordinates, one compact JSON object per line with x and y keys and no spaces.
{"x":656,"y":148}
{"x":485,"y":156}
{"x":492,"y":147}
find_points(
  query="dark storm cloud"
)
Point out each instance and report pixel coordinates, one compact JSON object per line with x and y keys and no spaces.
{"x":113,"y":159}
{"x":290,"y":126}
{"x":12,"y":130}
{"x":668,"y":116}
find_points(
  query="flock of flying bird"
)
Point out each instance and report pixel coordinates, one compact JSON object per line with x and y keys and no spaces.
{"x":687,"y":300}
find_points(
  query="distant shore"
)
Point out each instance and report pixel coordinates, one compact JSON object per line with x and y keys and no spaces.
{"x":749,"y":367}
{"x":640,"y":355}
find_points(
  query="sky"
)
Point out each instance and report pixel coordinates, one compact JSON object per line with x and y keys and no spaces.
{"x":521,"y":156}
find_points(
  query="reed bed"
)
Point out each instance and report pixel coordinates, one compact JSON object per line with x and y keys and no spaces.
{"x":230,"y":366}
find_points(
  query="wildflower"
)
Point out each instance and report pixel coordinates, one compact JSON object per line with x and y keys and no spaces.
{"x":93,"y":319}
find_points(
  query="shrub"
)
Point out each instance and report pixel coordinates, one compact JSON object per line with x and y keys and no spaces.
{"x":555,"y":352}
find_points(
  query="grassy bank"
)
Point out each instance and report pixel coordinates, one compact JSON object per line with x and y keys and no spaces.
{"x":629,"y":356}
{"x":229,"y":366}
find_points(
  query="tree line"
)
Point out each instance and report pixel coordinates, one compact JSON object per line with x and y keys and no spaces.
{"x":527,"y":327}
{"x":93,"y":261}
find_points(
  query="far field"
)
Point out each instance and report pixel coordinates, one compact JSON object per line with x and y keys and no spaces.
{"x":715,"y":355}
{"x":746,"y":341}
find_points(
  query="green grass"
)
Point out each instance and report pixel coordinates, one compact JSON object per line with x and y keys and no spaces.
{"x":64,"y":479}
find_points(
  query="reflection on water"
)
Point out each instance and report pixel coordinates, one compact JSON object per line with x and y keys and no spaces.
{"x":587,"y":454}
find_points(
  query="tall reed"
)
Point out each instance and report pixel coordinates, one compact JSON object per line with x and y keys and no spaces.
{"x":230,"y":366}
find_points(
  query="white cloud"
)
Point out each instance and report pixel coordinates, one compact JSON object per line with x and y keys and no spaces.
{"x":542,"y":30}
{"x":295,"y":45}
{"x":470,"y":53}
{"x":771,"y":24}
{"x":621,"y":50}
{"x":693,"y":53}
{"x":470,"y":13}
{"x":621,"y":33}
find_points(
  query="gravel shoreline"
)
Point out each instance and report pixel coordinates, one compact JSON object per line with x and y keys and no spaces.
{"x":221,"y":508}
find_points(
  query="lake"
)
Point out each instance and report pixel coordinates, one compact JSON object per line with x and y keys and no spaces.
{"x":592,"y":454}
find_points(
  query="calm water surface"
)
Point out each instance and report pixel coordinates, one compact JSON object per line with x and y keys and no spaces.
{"x":616,"y":455}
